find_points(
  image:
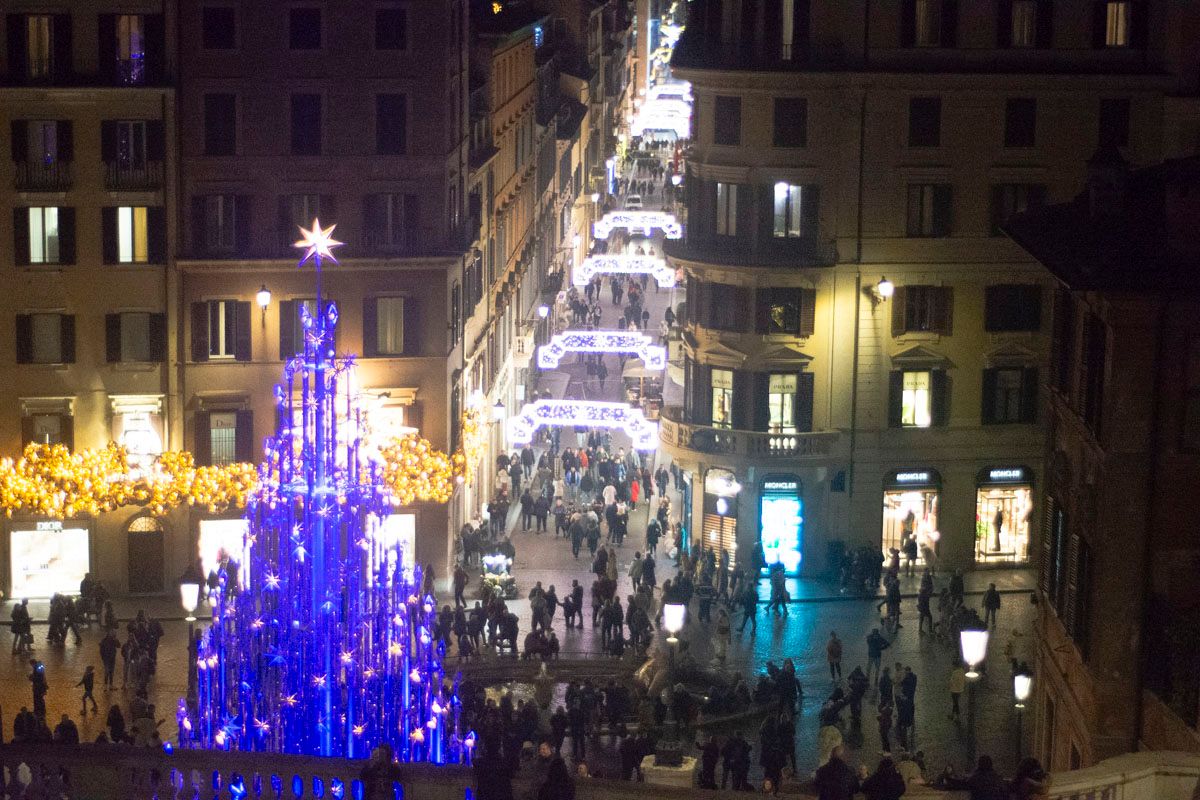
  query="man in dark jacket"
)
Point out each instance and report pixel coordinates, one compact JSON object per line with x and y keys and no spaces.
{"x":835,"y":780}
{"x":983,"y":784}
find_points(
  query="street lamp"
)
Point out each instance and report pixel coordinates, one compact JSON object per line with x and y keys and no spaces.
{"x":498,"y":412}
{"x":263,"y":298}
{"x":676,"y":179}
{"x":673,"y":620}
{"x":595,"y":197}
{"x":974,"y":649}
{"x":189,"y":598}
{"x":543,"y":311}
{"x":885,"y":288}
{"x":1022,"y":686}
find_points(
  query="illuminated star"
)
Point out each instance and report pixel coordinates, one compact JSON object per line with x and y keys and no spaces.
{"x":317,"y":241}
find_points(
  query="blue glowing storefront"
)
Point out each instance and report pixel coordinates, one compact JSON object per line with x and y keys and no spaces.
{"x":781,"y":522}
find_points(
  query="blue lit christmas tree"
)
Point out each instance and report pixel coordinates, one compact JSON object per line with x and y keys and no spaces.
{"x":322,"y":643}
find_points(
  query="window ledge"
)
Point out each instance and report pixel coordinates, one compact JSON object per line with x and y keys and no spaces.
{"x":135,"y":366}
{"x":57,"y":367}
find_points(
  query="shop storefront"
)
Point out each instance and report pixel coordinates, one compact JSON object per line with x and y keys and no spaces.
{"x":48,"y":557}
{"x":685,"y":511}
{"x":1003,"y":515}
{"x":222,"y":542}
{"x":781,"y":522}
{"x":721,"y":490}
{"x":910,"y":509}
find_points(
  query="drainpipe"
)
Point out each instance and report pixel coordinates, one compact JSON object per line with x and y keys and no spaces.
{"x":858,"y":257}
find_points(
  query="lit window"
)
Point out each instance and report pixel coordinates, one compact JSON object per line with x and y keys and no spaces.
{"x":133,"y":240}
{"x":781,"y":400}
{"x":722,"y":398}
{"x":222,"y":329}
{"x":222,"y":431}
{"x":389,"y":325}
{"x":39,"y":44}
{"x":929,"y":23}
{"x":43,"y":236}
{"x":788,"y":203}
{"x":726,"y":209}
{"x":1116,"y":28}
{"x":131,"y":50}
{"x":1024,"y":23}
{"x":43,"y":141}
{"x":916,"y":403}
{"x":46,"y":335}
{"x":48,"y":428}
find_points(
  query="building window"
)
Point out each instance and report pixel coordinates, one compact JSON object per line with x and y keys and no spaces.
{"x":791,"y":214}
{"x":135,"y":337}
{"x":928,"y":27}
{"x":727,"y":307}
{"x":1118,"y":16}
{"x":133,"y":237}
{"x":924,"y":121}
{"x":39,"y":46}
{"x":727,"y":121}
{"x":291,"y":334}
{"x":1010,"y":395}
{"x":1024,"y":23}
{"x":220,"y":223}
{"x":1189,"y":439}
{"x":391,"y":124}
{"x":727,"y":209}
{"x":1114,"y":122}
{"x":48,"y":429}
{"x":1020,"y":122}
{"x":222,"y":432}
{"x":921,"y":309}
{"x":779,"y":311}
{"x":219,"y":24}
{"x":389,"y":325}
{"x":220,"y":124}
{"x":930,"y":209}
{"x":222,"y":329}
{"x":722,"y":398}
{"x":131,"y":49}
{"x":45,"y":339}
{"x":1013,"y":198}
{"x":44,"y":236}
{"x":791,"y":121}
{"x":781,"y":402}
{"x":131,"y":143}
{"x":304,"y":29}
{"x":41,"y":139}
{"x":391,"y":29}
{"x":1013,"y":307}
{"x":916,"y":399}
{"x":391,"y":219}
{"x":306,"y":124}
{"x":1095,"y":356}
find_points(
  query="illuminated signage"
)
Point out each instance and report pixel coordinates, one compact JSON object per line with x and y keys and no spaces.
{"x":1006,"y":474}
{"x":912,"y":477}
{"x":780,"y":486}
{"x":49,"y":526}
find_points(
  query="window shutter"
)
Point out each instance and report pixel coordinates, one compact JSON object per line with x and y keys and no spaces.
{"x":158,"y":338}
{"x":742,"y":296}
{"x":287,"y":329}
{"x":899,"y":298}
{"x":108,"y":225}
{"x":996,"y":211}
{"x":1099,"y":23}
{"x":283,"y":219}
{"x":743,"y":387}
{"x":1036,"y":195}
{"x":67,"y":426}
{"x":241,"y":332}
{"x":940,"y":396}
{"x":63,"y":66}
{"x":895,"y":398}
{"x":155,"y":43}
{"x":1004,"y":24}
{"x":244,"y":438}
{"x":21,"y":236}
{"x":1029,"y":395}
{"x":27,"y":431}
{"x":988,"y":407}
{"x":804,"y":401}
{"x":413,"y":416}
{"x":327,"y":203}
{"x":67,"y":334}
{"x":701,"y":394}
{"x":370,"y":324}
{"x":1045,"y":24}
{"x":412,"y":220}
{"x":24,"y":339}
{"x":108,"y":141}
{"x":156,"y":231}
{"x":156,"y":140}
{"x":1138,"y":12}
{"x":241,"y":212}
{"x":17,"y":53}
{"x":949,"y":23}
{"x":112,"y":337}
{"x":202,"y":444}
{"x":945,"y":310}
{"x":766,"y":214}
{"x":760,"y":383}
{"x":810,"y":210}
{"x":199,"y":331}
{"x":64,"y":134}
{"x":108,"y":48}
{"x":412,"y":326}
{"x":745,"y":214}
{"x":19,"y":130}
{"x":1068,"y":610}
{"x":908,"y":23}
{"x":66,"y":235}
{"x":808,"y":311}
{"x":1046,"y":565}
{"x":943,"y":209}
{"x":801,"y":24}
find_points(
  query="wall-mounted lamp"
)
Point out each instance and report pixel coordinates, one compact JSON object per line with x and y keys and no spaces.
{"x":498,"y":412}
{"x":263,"y":298}
{"x":543,"y":311}
{"x":885,"y":289}
{"x":577,"y":240}
{"x":595,"y":197}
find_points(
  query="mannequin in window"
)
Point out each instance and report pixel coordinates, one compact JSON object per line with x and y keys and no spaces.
{"x":997,"y":525}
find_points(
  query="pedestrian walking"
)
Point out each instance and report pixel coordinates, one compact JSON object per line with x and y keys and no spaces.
{"x":957,"y":684}
{"x":991,"y":605}
{"x":833,"y":653}
{"x":876,"y":644}
{"x":88,"y":682}
{"x":109,"y":646}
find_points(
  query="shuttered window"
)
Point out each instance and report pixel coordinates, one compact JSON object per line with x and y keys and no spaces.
{"x":1010,"y":395}
{"x":1013,"y":307}
{"x":785,"y":311}
{"x":922,"y":309}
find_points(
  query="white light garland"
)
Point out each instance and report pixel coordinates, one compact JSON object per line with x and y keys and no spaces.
{"x":550,"y":354}
{"x":583,"y":413}
{"x":638,"y":221}
{"x":624,"y":265}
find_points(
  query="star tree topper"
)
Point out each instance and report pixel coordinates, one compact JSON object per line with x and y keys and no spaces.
{"x":318,"y":242}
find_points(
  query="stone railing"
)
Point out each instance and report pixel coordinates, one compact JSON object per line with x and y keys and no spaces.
{"x":108,"y":771}
{"x":674,"y":432}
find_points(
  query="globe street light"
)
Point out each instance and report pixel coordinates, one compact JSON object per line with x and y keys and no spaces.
{"x":673,"y":620}
{"x":974,"y":649}
{"x":885,"y":289}
{"x":498,"y":412}
{"x":1022,"y":686}
{"x":189,"y":598}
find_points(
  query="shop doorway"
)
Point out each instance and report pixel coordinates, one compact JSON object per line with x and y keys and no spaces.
{"x":721,"y":490}
{"x":910,"y":511}
{"x":781,"y":523}
{"x":1003,"y":515}
{"x":144,"y":539}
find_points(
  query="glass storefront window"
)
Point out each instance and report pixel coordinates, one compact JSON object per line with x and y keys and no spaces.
{"x":782,"y":403}
{"x":917,"y":400}
{"x":781,"y":523}
{"x":722,"y":398}
{"x":48,"y":560}
{"x":1002,"y":523}
{"x":911,"y":513}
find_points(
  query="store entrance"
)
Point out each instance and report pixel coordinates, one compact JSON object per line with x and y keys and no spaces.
{"x":781,"y":523}
{"x":910,"y":511}
{"x":1003,"y":516}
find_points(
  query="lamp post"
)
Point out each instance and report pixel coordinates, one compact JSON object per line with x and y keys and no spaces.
{"x":1022,"y":686}
{"x":973,"y":643}
{"x":189,"y":598}
{"x":498,"y":412}
{"x":669,"y":753}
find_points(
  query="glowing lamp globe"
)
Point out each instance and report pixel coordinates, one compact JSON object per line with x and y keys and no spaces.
{"x":1022,"y":686}
{"x":595,"y":197}
{"x":263,"y":297}
{"x":974,"y":649}
{"x":673,"y":619}
{"x":189,"y":598}
{"x":543,"y":311}
{"x":885,"y":288}
{"x":676,"y":179}
{"x":498,"y":411}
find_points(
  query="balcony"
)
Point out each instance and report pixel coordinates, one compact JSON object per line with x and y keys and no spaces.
{"x":36,"y":176}
{"x":674,"y":432}
{"x":742,"y":252}
{"x":120,"y":177}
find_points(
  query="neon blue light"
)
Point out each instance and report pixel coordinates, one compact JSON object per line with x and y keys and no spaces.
{"x":782,"y":529}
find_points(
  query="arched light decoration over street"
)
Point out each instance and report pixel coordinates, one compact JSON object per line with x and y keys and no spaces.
{"x":593,"y":414}
{"x":624,"y":265}
{"x":550,"y":354}
{"x":638,"y":222}
{"x":974,"y":649}
{"x":673,"y":620}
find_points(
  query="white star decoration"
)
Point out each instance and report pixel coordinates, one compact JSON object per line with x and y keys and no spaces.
{"x":317,"y":241}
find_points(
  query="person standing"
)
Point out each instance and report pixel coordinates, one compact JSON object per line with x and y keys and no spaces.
{"x":886,"y":783}
{"x":991,"y":605}
{"x":924,"y":608}
{"x":835,"y":780}
{"x":833,"y":653}
{"x":750,"y":608}
{"x":37,"y":680}
{"x":876,"y":644}
{"x":958,"y":683}
{"x":109,"y":646}
{"x":885,"y":727}
{"x":460,"y":584}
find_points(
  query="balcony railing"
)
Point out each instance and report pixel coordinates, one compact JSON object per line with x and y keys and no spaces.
{"x":131,"y":71}
{"x":37,"y":176}
{"x":119,"y":177}
{"x":675,"y":432}
{"x":384,"y":243}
